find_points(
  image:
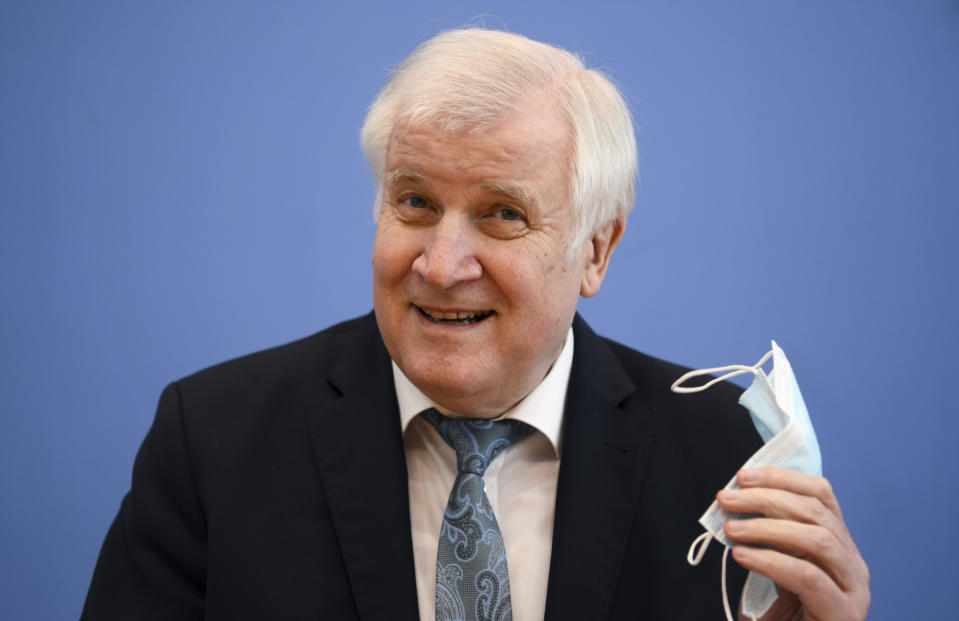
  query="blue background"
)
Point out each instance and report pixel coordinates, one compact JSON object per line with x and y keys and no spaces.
{"x":181,"y":184}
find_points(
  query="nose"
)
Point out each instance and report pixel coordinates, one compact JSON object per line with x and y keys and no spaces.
{"x":448,"y":257}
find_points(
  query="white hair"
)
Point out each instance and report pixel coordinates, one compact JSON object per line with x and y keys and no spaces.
{"x":466,"y":80}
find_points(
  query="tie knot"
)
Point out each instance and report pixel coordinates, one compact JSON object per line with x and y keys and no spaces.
{"x":476,"y":441}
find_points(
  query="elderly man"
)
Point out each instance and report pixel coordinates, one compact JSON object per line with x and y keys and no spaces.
{"x":472,"y":450}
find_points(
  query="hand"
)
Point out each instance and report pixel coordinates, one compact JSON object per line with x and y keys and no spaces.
{"x":819,"y":570}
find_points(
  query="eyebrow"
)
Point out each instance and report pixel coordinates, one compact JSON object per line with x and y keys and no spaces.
{"x":401,"y":175}
{"x":517,"y":194}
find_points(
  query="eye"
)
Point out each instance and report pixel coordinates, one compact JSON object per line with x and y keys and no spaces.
{"x":416,"y":202}
{"x":505,"y":222}
{"x":415,"y":209}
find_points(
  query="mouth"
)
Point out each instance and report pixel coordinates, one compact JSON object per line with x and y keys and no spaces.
{"x":455,"y":318}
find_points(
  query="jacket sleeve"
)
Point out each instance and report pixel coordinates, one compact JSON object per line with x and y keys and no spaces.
{"x":153,"y":561}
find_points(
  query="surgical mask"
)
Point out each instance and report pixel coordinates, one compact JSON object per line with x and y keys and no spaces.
{"x":780,"y":416}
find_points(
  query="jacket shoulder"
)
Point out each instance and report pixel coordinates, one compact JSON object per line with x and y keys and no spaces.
{"x":707,"y":424}
{"x":309,"y":359}
{"x":281,"y":383}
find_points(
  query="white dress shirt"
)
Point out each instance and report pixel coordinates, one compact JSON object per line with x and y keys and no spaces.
{"x":520,"y":484}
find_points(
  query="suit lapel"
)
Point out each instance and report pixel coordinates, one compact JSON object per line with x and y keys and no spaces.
{"x":606,"y":440}
{"x":358,"y":448}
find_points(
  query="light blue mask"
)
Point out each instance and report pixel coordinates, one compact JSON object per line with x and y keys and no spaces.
{"x":779,"y":414}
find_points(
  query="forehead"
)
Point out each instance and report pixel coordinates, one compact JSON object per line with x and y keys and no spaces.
{"x":524,"y":153}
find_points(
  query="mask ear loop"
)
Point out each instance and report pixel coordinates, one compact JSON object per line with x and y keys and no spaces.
{"x":729,"y":614}
{"x":695,"y":555}
{"x":733,"y":371}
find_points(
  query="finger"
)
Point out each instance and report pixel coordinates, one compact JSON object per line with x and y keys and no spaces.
{"x":813,"y":586}
{"x":812,"y":543}
{"x":791,"y":481}
{"x":821,"y":597}
{"x":777,"y":503}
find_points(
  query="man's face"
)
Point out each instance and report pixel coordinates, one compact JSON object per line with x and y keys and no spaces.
{"x":473,"y":287}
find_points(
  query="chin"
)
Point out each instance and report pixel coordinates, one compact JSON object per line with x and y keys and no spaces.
{"x":452,"y":386}
{"x":447,"y":382}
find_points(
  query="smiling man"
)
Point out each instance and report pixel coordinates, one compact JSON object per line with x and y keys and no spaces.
{"x":472,"y":450}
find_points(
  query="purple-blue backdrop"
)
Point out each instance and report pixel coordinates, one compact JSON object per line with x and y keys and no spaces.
{"x":182,"y":184}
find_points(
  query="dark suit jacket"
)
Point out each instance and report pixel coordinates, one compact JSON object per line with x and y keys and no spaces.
{"x":274,"y":486}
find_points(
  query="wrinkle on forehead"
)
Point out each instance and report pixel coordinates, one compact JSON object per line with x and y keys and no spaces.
{"x":412,"y":147}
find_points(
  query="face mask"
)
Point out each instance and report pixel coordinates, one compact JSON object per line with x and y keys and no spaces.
{"x":779,"y":415}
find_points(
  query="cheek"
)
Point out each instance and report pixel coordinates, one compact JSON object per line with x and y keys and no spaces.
{"x":393,"y":256}
{"x":544,"y":292}
{"x":557,"y":295}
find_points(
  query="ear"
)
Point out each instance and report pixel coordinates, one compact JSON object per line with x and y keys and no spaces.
{"x":601,"y":248}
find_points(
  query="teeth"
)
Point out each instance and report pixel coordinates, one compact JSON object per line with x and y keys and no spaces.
{"x":457,"y":316}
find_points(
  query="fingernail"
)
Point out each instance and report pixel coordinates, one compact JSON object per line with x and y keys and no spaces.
{"x":728,"y":495}
{"x":734,"y":527}
{"x":741,"y":553}
{"x":748,"y":476}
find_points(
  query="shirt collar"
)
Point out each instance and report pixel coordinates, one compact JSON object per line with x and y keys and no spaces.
{"x":542,"y":408}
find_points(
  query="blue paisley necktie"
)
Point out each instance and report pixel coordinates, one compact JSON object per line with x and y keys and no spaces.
{"x":472,"y":583}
